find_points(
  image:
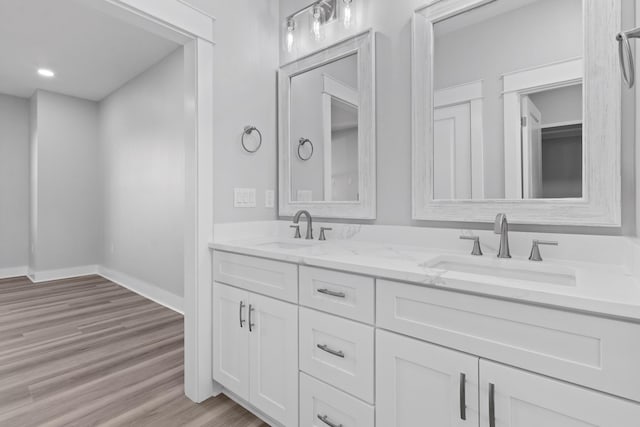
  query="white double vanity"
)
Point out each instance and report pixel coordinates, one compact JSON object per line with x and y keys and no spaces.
{"x":406,"y":326}
{"x":354,"y":332}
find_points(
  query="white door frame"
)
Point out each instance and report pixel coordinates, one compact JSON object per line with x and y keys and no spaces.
{"x":516,"y":84}
{"x":332,"y":88}
{"x":178,"y":21}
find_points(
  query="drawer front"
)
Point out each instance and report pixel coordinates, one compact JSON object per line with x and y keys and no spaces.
{"x":344,"y":294}
{"x":319,"y":401}
{"x":272,"y":278}
{"x":595,"y":352}
{"x":337,"y":350}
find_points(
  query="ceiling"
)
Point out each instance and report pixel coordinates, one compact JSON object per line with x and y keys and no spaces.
{"x":91,"y":52}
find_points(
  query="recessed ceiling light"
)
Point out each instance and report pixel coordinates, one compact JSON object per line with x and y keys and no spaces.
{"x":44,"y":72}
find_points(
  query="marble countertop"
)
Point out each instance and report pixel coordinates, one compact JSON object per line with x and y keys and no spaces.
{"x":602,"y":289}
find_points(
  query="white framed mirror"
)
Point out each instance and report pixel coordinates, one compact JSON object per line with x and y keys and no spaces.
{"x":517,"y":109}
{"x":327,"y":153}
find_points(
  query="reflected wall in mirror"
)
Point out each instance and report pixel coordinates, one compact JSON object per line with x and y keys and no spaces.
{"x":501,"y":115}
{"x":324,"y":122}
{"x":505,"y":75}
{"x":327,"y":139}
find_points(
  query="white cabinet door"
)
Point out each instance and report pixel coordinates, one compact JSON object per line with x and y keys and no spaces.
{"x":273,"y":355}
{"x":230,"y":339}
{"x":514,"y":398}
{"x":420,"y":384}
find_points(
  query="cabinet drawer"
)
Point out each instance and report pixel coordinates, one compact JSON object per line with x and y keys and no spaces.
{"x":337,"y":350}
{"x":595,"y":352}
{"x":344,"y":294}
{"x":319,"y":400}
{"x":272,"y":278}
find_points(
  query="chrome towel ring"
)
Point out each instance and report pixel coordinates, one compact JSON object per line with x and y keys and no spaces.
{"x":625,"y":53}
{"x":301,"y":143}
{"x":248,"y":130}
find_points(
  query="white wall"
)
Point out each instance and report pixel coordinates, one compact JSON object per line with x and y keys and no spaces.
{"x":391,"y":20}
{"x":14,"y":182}
{"x":142,"y":158}
{"x":246,"y":62}
{"x":67,"y":227}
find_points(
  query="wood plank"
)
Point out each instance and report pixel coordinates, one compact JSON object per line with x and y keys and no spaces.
{"x":87,"y":352}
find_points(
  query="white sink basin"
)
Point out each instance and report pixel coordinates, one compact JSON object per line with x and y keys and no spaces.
{"x":288,"y":245}
{"x":507,"y":269}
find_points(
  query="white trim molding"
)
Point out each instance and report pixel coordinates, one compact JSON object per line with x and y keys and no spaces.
{"x":601,"y":201}
{"x":516,"y":85}
{"x":364,"y":208}
{"x":145,"y":289}
{"x":62,"y":273}
{"x":9,"y":272}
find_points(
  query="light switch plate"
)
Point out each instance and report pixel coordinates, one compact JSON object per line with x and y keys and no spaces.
{"x":244,"y":197}
{"x":269,"y":198}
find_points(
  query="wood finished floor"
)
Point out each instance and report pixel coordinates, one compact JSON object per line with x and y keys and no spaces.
{"x":87,"y":352}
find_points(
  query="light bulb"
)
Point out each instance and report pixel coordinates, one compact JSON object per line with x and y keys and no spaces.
{"x":291,"y":25}
{"x":316,"y":26}
{"x":347,"y":13}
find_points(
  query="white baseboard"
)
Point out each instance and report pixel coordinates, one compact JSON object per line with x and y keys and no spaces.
{"x":62,"y":273}
{"x":143,"y":288}
{"x":6,"y":273}
{"x":138,"y":286}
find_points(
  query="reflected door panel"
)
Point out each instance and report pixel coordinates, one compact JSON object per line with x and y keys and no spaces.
{"x":452,"y":148}
{"x":531,"y":149}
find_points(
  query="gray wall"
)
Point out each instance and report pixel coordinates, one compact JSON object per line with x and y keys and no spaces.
{"x":246,"y":61}
{"x":67,"y":226}
{"x":391,"y":20}
{"x":142,"y":158}
{"x":14,"y":182}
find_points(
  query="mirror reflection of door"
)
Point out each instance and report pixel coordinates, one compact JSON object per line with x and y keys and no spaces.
{"x":452,"y":148}
{"x":531,"y":149}
{"x":500,"y":47}
{"x":325,"y":111}
{"x":340,"y":133}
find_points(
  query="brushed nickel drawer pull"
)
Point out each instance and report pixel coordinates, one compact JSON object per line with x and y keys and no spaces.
{"x":325,"y":419}
{"x":492,"y":405}
{"x":251,"y":324}
{"x":463,"y":397}
{"x":332,"y":293}
{"x":241,"y":319}
{"x":326,"y":348}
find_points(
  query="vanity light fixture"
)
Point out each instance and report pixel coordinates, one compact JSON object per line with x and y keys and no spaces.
{"x":317,"y":22}
{"x":291,"y":26}
{"x":346,"y":13}
{"x":322,"y":12}
{"x":45,"y":72}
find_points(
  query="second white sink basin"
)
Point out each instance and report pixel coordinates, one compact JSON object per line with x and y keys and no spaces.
{"x":507,"y":269}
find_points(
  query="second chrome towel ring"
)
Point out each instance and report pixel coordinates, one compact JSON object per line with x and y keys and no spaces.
{"x":301,"y":143}
{"x":248,"y":130}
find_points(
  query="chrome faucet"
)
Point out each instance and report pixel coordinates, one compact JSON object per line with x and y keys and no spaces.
{"x":501,"y":227}
{"x":296,"y":219}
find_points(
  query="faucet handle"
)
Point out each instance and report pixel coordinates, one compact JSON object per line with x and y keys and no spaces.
{"x":535,"y":248}
{"x":297,"y":227}
{"x":322,"y":230}
{"x":477,"y":250}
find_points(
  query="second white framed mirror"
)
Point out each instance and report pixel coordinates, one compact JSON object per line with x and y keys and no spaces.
{"x":517,"y":109}
{"x":327,"y":156}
